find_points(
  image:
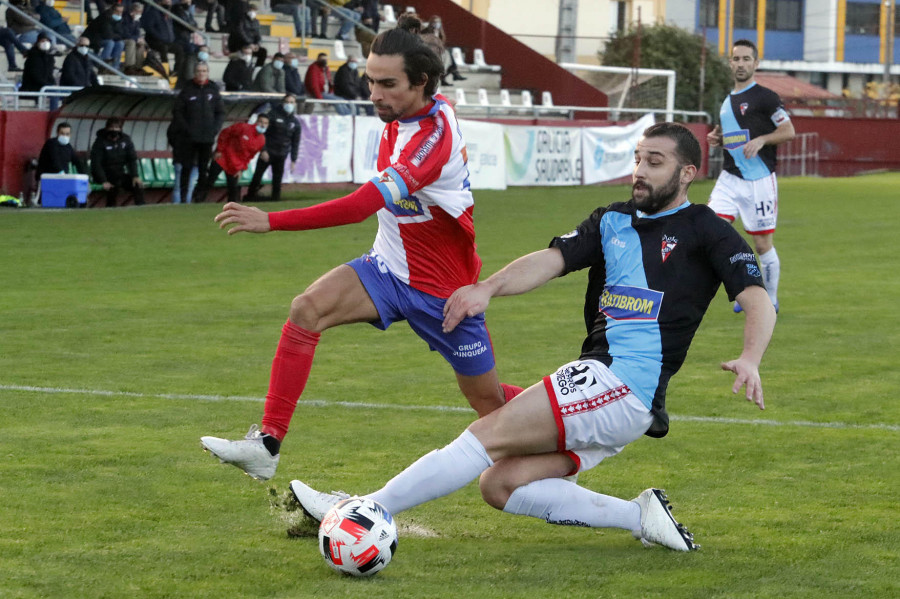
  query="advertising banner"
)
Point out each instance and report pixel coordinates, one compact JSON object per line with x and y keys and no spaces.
{"x":608,"y":152}
{"x":326,"y":146}
{"x":543,"y":155}
{"x":484,"y":148}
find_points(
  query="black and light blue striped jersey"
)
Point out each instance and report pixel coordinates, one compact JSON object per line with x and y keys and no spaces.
{"x":650,"y":282}
{"x":745,"y":115}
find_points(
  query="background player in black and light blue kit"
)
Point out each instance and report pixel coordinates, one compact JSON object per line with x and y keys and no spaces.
{"x":753,"y":121}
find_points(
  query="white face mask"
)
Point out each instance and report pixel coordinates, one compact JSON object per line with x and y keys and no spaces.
{"x":83,"y":50}
{"x":44,"y":46}
{"x":248,"y":58}
{"x":64,"y":139}
{"x":252,"y":14}
{"x":135,"y":18}
{"x":289,"y":107}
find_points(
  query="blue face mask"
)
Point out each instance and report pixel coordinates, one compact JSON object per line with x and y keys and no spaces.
{"x":116,"y":17}
{"x":83,"y":50}
{"x":260,"y":129}
{"x":288,"y":107}
{"x":64,"y":139}
{"x":204,"y":56}
{"x":278,"y":64}
{"x":295,"y":63}
{"x":353,"y":65}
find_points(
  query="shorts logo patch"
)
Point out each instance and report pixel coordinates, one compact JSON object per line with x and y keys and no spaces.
{"x":624,"y":302}
{"x":731,"y":140}
{"x":668,"y":244}
{"x":594,"y":403}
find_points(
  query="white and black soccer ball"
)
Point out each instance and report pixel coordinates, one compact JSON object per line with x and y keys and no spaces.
{"x":357,"y":537}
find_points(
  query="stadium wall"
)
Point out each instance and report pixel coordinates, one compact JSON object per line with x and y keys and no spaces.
{"x":22,"y":135}
{"x":853,"y":146}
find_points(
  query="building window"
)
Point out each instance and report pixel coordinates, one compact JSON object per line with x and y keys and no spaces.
{"x":745,"y":14}
{"x":709,"y":13}
{"x":862,"y":18}
{"x":784,"y":15}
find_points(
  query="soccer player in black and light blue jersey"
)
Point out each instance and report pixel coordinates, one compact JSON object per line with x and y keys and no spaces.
{"x":753,"y":121}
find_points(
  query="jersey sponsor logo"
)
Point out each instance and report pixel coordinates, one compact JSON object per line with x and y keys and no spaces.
{"x":406,"y":206}
{"x":411,"y":182}
{"x":742,"y":257}
{"x":624,"y":302}
{"x":668,"y":244}
{"x":618,"y":242}
{"x":732,"y":140}
{"x":427,"y":146}
{"x":744,"y":106}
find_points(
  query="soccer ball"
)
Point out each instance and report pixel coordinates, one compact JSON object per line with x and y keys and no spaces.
{"x":357,"y":537}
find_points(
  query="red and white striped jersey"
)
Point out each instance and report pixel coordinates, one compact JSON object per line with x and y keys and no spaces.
{"x":426,"y":236}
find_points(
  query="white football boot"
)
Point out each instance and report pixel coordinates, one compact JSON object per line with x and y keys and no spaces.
{"x":657,"y":524}
{"x":248,"y":454}
{"x":314,"y":503}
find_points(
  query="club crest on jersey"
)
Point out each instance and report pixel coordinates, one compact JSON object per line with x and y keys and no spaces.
{"x":668,"y":244}
{"x":624,"y":302}
{"x":731,"y":140}
{"x":744,"y":107}
{"x":385,"y":178}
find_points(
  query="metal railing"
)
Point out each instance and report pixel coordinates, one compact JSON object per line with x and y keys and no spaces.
{"x":344,"y":14}
{"x":179,"y":20}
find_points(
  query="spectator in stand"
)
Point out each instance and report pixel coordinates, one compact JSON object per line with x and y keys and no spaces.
{"x":10,"y":44}
{"x":53,"y":19}
{"x":107,"y":35}
{"x":270,"y":78}
{"x":160,"y":34}
{"x":213,"y":8}
{"x":293,"y":83}
{"x":77,"y":70}
{"x":58,"y":156}
{"x":114,"y":163}
{"x":133,"y":39}
{"x":348,"y":83}
{"x":319,"y":84}
{"x":39,"y":66}
{"x":197,"y":117}
{"x":184,"y":11}
{"x":26,"y":31}
{"x":243,"y":31}
{"x":435,"y":28}
{"x":300,"y":12}
{"x":282,"y":140}
{"x":371,"y":18}
{"x":235,"y":148}
{"x":238,"y":76}
{"x":350,"y":16}
{"x":190,"y":63}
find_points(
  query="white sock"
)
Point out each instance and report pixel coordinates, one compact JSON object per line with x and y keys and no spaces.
{"x":435,"y":474}
{"x":771,"y":268}
{"x":562,"y":502}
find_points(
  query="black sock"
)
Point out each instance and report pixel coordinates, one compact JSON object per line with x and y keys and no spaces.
{"x":271,"y":443}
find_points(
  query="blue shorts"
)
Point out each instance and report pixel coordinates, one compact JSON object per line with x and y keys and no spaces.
{"x":467,"y":348}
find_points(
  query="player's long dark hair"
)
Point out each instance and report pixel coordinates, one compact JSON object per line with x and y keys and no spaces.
{"x":420,"y":63}
{"x":686,"y":145}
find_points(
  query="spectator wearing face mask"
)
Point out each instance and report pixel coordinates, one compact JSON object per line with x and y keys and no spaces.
{"x":293,"y":82}
{"x":270,"y":78}
{"x":189,"y":63}
{"x":77,"y":70}
{"x":235,"y":148}
{"x":319,"y":85}
{"x":347,"y":82}
{"x":114,"y":163}
{"x":238,"y":74}
{"x":107,"y":36}
{"x":282,"y":140}
{"x":243,"y":30}
{"x":133,"y":39}
{"x":38,"y":71}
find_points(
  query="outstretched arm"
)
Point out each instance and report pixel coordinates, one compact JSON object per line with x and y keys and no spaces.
{"x":758,"y":327}
{"x":519,"y":276}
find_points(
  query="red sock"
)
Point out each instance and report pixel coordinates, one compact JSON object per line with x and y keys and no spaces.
{"x":510,"y":391}
{"x":290,"y":369}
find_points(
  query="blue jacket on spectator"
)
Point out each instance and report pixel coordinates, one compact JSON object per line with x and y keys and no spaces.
{"x":52,"y":18}
{"x":157,"y":25}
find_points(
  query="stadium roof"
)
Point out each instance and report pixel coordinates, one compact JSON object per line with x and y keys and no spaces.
{"x":792,"y":88}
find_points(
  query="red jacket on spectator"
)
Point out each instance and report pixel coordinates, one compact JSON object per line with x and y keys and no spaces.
{"x":237,"y":145}
{"x":316,"y":78}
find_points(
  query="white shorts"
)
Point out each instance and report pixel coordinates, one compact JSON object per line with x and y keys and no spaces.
{"x":596,"y":414}
{"x":756,"y":202}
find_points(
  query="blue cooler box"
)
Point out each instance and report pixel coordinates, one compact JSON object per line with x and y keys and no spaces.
{"x":57,"y":189}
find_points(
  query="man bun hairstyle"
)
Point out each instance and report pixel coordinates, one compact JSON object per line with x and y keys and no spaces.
{"x":686,"y":145}
{"x":420,"y":63}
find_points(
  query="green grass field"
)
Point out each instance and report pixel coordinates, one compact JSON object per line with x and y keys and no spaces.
{"x":127,"y":334}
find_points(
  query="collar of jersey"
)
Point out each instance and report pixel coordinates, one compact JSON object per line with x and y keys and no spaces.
{"x":661,"y":214}
{"x":427,"y":111}
{"x":734,"y":93}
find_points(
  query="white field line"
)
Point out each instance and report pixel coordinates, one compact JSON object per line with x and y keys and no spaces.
{"x":317,"y":403}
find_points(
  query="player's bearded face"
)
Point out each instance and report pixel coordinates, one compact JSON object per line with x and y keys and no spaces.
{"x":651,"y":199}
